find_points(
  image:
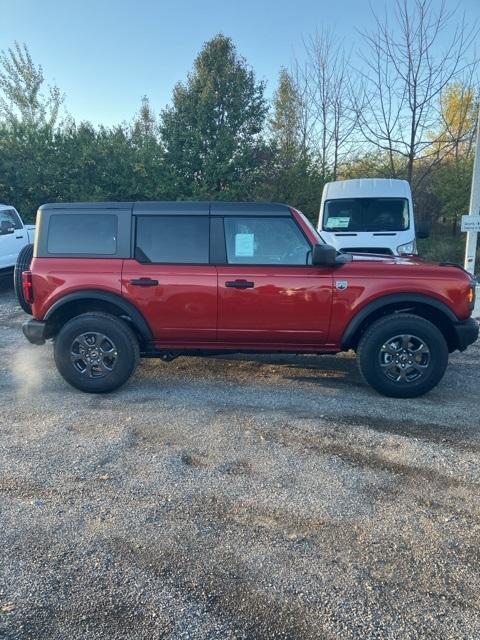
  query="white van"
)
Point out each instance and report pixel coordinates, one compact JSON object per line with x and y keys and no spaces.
{"x":369,"y":215}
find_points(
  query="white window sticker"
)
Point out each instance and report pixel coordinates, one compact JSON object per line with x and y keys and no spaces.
{"x":338,"y":223}
{"x":244,"y":245}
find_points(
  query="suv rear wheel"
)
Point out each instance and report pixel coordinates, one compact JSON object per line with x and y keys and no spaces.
{"x":402,"y":356}
{"x":96,"y":352}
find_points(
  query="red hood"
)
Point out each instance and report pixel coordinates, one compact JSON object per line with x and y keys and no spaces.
{"x":408,"y":260}
{"x":381,"y":257}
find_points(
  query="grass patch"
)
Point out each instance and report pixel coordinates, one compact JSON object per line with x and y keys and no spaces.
{"x":442,"y":246}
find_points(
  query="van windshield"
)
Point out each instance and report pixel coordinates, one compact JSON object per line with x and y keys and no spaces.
{"x":366,"y":214}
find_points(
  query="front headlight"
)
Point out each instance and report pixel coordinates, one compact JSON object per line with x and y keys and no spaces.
{"x":408,"y":249}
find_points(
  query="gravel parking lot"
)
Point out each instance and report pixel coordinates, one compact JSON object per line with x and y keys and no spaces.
{"x":246,"y":497}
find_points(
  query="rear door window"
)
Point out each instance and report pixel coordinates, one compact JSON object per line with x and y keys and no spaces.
{"x":175,"y":239}
{"x":82,"y":234}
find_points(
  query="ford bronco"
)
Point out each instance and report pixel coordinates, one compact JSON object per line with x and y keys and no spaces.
{"x":111,"y":282}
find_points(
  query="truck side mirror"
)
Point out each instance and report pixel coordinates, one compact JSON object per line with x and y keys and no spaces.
{"x":324,"y":255}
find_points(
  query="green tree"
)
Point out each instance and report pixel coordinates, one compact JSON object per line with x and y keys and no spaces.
{"x":212,"y":131}
{"x":285,"y":122}
{"x":22,"y":93}
{"x":291,"y":174}
{"x":458,"y":117}
{"x":149,"y":166}
{"x":372,"y":164}
{"x":454,"y":149}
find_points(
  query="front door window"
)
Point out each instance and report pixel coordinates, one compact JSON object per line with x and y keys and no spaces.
{"x":265,"y":241}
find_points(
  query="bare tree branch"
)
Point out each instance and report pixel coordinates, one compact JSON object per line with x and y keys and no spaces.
{"x":405,"y":73}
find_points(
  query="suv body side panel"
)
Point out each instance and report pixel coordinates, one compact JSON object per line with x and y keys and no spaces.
{"x":182,"y":307}
{"x":55,"y":278}
{"x":287,"y":304}
{"x":395,"y":284}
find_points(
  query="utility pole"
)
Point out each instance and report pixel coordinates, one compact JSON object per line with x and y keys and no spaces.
{"x":471,"y":247}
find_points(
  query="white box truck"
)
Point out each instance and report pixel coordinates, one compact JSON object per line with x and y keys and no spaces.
{"x":368,"y":215}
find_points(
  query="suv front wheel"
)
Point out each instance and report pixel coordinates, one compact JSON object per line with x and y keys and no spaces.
{"x":96,"y":352}
{"x":402,"y":355}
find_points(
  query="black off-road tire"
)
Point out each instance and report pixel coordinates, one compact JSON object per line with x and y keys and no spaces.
{"x":375,"y":349}
{"x":70,"y":359}
{"x":23,"y":264}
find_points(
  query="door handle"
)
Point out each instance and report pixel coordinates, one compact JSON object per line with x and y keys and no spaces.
{"x":18,"y":237}
{"x":144,"y":282}
{"x":240,"y":284}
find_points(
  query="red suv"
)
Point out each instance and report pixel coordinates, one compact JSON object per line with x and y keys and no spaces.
{"x":111,"y":282}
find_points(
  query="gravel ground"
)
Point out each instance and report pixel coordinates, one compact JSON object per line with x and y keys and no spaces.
{"x":255,"y":498}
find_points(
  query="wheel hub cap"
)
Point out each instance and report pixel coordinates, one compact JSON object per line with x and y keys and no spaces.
{"x":93,"y":354}
{"x":404,"y":358}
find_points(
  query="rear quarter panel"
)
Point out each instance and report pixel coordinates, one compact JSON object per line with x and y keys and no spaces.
{"x":54,"y":278}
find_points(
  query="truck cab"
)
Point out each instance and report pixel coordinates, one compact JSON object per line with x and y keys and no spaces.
{"x":368,"y":215}
{"x":14,"y":235}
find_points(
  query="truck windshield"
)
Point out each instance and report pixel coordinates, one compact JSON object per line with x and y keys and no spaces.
{"x":366,"y":214}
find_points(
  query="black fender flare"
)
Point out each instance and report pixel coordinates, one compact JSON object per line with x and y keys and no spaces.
{"x":384,"y":301}
{"x":125,"y":306}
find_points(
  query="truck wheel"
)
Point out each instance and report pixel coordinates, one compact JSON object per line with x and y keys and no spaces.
{"x":402,"y":356}
{"x":23,"y":264}
{"x":96,"y":352}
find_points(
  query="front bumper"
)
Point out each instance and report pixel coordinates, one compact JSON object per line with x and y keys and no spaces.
{"x":35,"y":331}
{"x":466,"y":333}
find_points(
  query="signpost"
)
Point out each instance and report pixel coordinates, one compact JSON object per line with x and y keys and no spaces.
{"x":471,"y":223}
{"x":471,"y":227}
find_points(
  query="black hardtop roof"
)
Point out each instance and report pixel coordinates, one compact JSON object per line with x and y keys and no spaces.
{"x":184,"y":207}
{"x":73,"y":206}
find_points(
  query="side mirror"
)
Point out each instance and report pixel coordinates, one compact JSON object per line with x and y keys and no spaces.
{"x":324,"y":255}
{"x":6,"y":227}
{"x":422,"y":232}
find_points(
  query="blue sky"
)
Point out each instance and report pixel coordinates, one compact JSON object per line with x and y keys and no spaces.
{"x":105,"y":54}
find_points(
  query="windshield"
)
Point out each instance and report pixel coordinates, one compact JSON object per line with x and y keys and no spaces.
{"x":366,"y":214}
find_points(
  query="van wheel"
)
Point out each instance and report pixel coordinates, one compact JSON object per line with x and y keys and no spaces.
{"x":402,"y":356}
{"x":24,"y":260}
{"x":96,"y":352}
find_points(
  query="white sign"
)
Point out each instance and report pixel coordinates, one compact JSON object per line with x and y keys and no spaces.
{"x":338,"y":223}
{"x":244,"y":245}
{"x":470,"y":223}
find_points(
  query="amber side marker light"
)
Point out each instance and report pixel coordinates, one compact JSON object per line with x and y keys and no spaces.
{"x":471,"y":295}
